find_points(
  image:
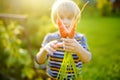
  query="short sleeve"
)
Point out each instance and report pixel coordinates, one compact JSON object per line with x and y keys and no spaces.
{"x":46,"y":40}
{"x":84,"y":43}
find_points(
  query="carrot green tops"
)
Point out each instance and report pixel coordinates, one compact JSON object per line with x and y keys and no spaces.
{"x":55,"y":60}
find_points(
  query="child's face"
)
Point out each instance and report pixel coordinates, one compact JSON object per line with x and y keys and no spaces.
{"x":66,"y":17}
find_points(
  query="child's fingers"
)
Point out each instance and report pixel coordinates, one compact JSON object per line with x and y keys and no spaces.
{"x":53,"y":46}
{"x":69,"y":48}
{"x":68,"y":44}
{"x":59,"y":45}
{"x":55,"y":41}
{"x":50,"y":50}
{"x":67,"y":40}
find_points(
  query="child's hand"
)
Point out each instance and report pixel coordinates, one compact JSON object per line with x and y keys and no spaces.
{"x":52,"y":46}
{"x":71,"y":45}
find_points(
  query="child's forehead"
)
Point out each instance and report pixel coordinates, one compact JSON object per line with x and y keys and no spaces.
{"x":66,"y":13}
{"x":66,"y":10}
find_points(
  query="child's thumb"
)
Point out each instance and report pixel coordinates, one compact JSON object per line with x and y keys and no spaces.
{"x":55,"y":42}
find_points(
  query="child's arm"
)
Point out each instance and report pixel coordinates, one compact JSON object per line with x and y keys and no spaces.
{"x":41,"y":56}
{"x":72,"y":45}
{"x":49,"y":48}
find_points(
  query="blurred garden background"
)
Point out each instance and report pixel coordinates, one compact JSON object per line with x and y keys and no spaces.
{"x":24,"y":23}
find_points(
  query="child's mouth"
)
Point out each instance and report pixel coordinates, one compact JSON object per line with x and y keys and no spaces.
{"x":67,"y":27}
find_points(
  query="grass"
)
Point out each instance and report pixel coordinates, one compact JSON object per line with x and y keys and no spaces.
{"x":103,"y":37}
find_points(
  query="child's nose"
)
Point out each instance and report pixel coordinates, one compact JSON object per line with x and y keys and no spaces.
{"x":65,"y":21}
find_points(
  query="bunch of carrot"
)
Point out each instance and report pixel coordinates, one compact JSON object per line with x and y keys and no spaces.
{"x":71,"y":32}
{"x":64,"y":32}
{"x":68,"y":64}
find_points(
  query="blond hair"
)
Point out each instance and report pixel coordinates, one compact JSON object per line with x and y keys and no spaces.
{"x":64,"y":5}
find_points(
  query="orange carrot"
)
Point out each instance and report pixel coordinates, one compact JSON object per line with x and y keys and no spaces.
{"x":72,"y":30}
{"x":62,"y":29}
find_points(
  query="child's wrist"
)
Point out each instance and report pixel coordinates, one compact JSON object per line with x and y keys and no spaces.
{"x":44,"y":51}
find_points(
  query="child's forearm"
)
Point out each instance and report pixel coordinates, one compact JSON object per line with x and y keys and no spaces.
{"x":41,"y":56}
{"x":84,"y":55}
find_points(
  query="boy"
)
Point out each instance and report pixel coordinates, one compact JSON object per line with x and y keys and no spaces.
{"x":52,"y":45}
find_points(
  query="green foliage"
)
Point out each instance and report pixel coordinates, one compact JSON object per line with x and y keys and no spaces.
{"x":18,"y":62}
{"x":13,"y":57}
{"x":105,"y":7}
{"x":28,"y":71}
{"x":103,"y":38}
{"x":38,"y":28}
{"x":102,"y":33}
